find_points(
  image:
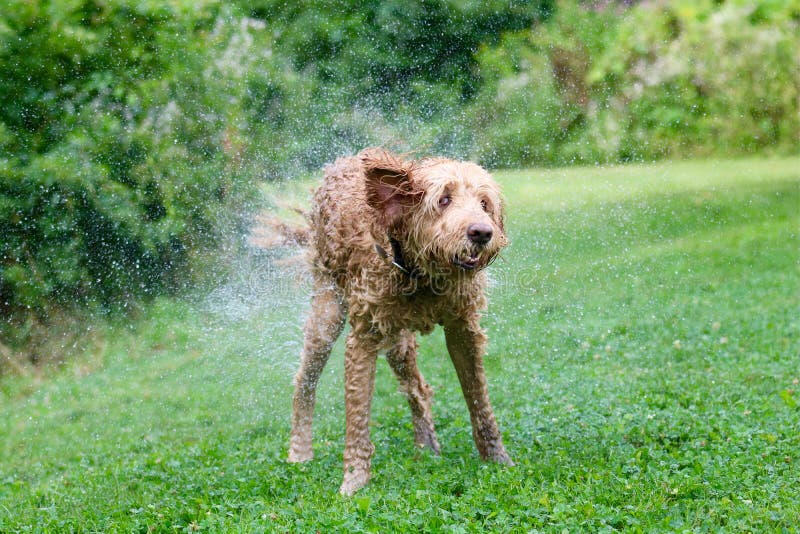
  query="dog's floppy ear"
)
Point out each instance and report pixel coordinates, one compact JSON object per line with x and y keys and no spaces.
{"x":389,"y":184}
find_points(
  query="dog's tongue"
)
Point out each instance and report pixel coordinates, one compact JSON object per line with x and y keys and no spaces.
{"x":471,"y":261}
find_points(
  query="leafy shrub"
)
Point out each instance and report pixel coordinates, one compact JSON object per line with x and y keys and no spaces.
{"x":535,"y":104}
{"x":704,"y":77}
{"x":658,"y":79}
{"x":116,"y":163}
{"x":381,"y":48}
{"x":370,"y":72}
{"x":132,"y":133}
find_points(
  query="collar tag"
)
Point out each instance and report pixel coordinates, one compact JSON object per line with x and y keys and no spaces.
{"x":395,"y":260}
{"x":382,"y":253}
{"x":401,"y":267}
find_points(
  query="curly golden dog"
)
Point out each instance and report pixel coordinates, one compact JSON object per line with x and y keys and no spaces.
{"x":398,"y":246}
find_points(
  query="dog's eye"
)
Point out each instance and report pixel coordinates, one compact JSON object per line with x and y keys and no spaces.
{"x":484,"y":205}
{"x":444,"y":201}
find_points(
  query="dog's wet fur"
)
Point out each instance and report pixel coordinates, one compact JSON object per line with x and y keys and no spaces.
{"x":398,"y":246}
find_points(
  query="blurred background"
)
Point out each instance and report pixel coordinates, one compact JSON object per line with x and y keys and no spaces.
{"x":134,"y":134}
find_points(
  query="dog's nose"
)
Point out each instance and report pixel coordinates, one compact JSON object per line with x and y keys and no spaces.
{"x":479,"y":233}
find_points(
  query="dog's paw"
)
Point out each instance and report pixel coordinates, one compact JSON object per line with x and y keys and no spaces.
{"x":428,"y":442}
{"x":353,"y":481}
{"x":502,"y":457}
{"x":497,"y":453}
{"x":300,"y":456}
{"x":425,"y":437}
{"x":506,"y":460}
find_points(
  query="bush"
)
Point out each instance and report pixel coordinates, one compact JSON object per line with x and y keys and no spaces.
{"x":659,"y":79}
{"x":132,"y":133}
{"x":118,"y":160}
{"x":537,"y":106}
{"x":704,"y":78}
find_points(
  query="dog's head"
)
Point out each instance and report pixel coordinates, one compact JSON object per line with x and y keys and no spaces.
{"x":448,"y":214}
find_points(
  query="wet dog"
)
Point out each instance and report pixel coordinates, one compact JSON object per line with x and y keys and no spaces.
{"x":398,"y":246}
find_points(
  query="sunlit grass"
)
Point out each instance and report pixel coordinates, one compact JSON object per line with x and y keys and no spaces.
{"x":644,"y":362}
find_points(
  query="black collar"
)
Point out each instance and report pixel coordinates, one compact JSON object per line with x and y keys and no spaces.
{"x":397,"y":259}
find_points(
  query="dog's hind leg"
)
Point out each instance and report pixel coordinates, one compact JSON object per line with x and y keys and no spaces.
{"x":322,"y":327}
{"x":402,"y":359}
{"x":466,"y":343}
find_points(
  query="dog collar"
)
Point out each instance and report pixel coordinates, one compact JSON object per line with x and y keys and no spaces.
{"x":397,"y":258}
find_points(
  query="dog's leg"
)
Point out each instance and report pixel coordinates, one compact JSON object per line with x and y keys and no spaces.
{"x":466,"y":343}
{"x":402,"y":359}
{"x":322,"y":327}
{"x":359,"y":374}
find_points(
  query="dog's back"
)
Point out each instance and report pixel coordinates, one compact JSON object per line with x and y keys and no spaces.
{"x":341,"y":227}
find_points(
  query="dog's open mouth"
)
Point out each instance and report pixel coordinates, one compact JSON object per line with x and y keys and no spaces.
{"x":467,"y":262}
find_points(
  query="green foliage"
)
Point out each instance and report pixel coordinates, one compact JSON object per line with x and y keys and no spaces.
{"x":701,"y":77}
{"x":534,"y":105}
{"x":355,"y":73}
{"x":132,"y":133}
{"x":659,"y":79}
{"x":381,"y":49}
{"x":116,"y":165}
{"x":642,"y":364}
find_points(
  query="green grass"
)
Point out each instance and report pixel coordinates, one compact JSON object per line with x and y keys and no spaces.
{"x":643,"y":364}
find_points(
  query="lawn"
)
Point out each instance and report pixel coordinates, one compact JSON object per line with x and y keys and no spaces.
{"x":643,"y":365}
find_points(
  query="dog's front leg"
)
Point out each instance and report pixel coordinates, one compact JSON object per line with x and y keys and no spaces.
{"x":359,"y":374}
{"x":466,"y":343}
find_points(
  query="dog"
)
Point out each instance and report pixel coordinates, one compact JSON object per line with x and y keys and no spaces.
{"x":398,"y":246}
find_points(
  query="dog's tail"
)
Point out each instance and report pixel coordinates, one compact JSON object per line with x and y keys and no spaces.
{"x":271,"y":231}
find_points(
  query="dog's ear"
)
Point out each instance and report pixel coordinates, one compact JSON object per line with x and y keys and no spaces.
{"x":389,"y":184}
